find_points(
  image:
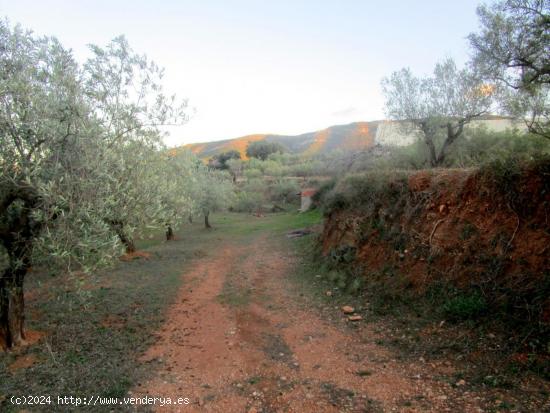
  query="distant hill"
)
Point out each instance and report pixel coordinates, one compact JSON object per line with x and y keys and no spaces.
{"x":355,"y":136}
{"x":352,"y":137}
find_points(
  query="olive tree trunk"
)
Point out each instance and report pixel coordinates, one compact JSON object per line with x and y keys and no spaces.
{"x":169,"y":233}
{"x":118,"y":227}
{"x":453,"y":133}
{"x":18,"y":230}
{"x":12,"y":307}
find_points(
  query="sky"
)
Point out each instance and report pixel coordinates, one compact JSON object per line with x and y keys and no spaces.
{"x":284,"y":66}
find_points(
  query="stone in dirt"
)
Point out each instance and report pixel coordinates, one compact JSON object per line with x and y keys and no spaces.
{"x":355,"y":318}
{"x":348,"y":309}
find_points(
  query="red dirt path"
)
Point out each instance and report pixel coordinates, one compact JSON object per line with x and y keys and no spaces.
{"x":268,"y":352}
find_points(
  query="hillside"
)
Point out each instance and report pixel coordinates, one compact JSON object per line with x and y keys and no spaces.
{"x":353,"y":136}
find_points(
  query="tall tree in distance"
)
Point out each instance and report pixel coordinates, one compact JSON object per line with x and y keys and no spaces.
{"x":512,"y":49}
{"x":212,"y":191}
{"x":221,"y":161}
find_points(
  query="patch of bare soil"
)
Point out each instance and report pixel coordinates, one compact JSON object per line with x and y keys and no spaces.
{"x":136,"y":255}
{"x":240,"y":339}
{"x":23,"y":362}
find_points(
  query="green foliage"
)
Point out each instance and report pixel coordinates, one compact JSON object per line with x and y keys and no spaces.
{"x":221,"y":161}
{"x":465,"y":307}
{"x":250,"y":197}
{"x":246,"y":201}
{"x":480,"y":146}
{"x":272,"y":168}
{"x":507,"y":178}
{"x":511,"y":52}
{"x":284,"y":190}
{"x":446,"y":101}
{"x":262,"y":149}
{"x":324,"y":189}
{"x":85,"y":141}
{"x":344,"y":254}
{"x":468,"y":231}
{"x":366,"y":190}
{"x":212,"y":189}
{"x":252,"y":174}
{"x":338,"y":278}
{"x":476,"y":147}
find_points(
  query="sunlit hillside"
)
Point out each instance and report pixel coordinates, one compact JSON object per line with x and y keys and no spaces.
{"x":358,"y":135}
{"x":352,"y":137}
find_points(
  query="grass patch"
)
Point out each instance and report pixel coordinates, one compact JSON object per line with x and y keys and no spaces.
{"x":96,"y":327}
{"x":234,"y":296}
{"x":465,"y":307}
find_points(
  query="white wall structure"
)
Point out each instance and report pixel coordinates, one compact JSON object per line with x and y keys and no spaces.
{"x":393,"y":133}
{"x":306,"y":200}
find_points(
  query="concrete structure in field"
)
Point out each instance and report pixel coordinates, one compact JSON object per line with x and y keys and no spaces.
{"x":393,"y":133}
{"x":305,"y":196}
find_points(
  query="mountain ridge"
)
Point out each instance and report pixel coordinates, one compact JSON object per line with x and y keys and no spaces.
{"x":353,"y":136}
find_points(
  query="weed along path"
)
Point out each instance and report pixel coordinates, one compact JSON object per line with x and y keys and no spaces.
{"x":244,"y":336}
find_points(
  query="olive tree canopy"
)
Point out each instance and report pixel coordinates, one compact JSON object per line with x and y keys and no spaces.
{"x":512,"y":49}
{"x":78,"y":150}
{"x":440,"y":104}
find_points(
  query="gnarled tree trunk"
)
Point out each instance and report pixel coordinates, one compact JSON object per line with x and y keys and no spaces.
{"x":206,"y":220}
{"x":17,"y":232}
{"x":169,"y":233}
{"x":12,"y":307}
{"x":118,"y":227}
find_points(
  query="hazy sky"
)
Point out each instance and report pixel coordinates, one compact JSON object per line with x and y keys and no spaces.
{"x":277,"y":66}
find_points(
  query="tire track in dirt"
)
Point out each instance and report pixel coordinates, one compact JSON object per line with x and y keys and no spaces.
{"x":237,"y":340}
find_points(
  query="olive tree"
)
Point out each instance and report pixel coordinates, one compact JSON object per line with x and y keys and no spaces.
{"x":126,"y":94}
{"x":212,"y":191}
{"x":46,"y":138}
{"x":235,"y":168}
{"x":221,"y":160}
{"x":512,"y":50}
{"x":441,"y":104}
{"x":176,"y":183}
{"x":262,"y":149}
{"x":69,"y":138}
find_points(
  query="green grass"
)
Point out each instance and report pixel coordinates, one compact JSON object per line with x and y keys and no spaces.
{"x":231,"y":224}
{"x":96,"y":327}
{"x":465,"y":307}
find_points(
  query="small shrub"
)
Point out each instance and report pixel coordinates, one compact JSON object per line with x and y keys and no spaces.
{"x":343,"y":255}
{"x":365,"y":191}
{"x":247,"y":201}
{"x":465,"y":307}
{"x":339,"y":278}
{"x":356,"y":285}
{"x":468,"y":231}
{"x":507,"y":180}
{"x":252,"y":174}
{"x":285,"y":191}
{"x":320,"y":196}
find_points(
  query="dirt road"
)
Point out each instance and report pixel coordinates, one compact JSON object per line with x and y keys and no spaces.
{"x":240,"y":338}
